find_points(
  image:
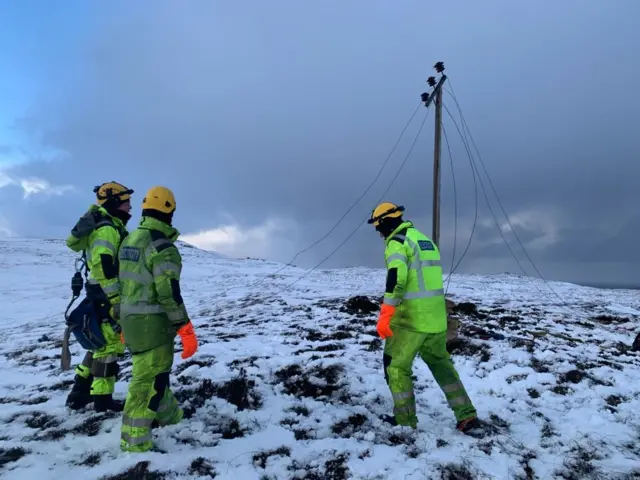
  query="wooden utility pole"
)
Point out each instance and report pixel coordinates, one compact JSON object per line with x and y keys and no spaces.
{"x":436,"y":96}
{"x":436,"y":170}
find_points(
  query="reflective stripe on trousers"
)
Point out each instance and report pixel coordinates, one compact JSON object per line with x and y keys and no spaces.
{"x":101,"y":367}
{"x":87,"y":361}
{"x":404,"y":403}
{"x":136,"y":422}
{"x":136,"y":440}
{"x":456,"y":394}
{"x":408,"y":410}
{"x":399,"y":396}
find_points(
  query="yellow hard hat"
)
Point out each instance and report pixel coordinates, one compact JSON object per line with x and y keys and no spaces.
{"x":385,"y":210}
{"x":159,"y":198}
{"x":113,"y":193}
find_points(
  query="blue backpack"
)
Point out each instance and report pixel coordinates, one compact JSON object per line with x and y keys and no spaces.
{"x":85,"y":320}
{"x":85,"y":323}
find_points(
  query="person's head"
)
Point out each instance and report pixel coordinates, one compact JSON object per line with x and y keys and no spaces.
{"x":386,"y":217}
{"x":159,"y":203}
{"x":115,"y":198}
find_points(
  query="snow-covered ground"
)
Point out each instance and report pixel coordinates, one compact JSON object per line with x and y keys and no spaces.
{"x":287,"y":382}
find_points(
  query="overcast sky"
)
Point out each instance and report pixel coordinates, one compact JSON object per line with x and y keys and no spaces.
{"x":269,"y":119}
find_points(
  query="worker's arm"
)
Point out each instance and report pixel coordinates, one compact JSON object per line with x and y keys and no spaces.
{"x":102,"y":255}
{"x":397,"y":266}
{"x":81,"y":231}
{"x":166,"y":266}
{"x":74,"y":243}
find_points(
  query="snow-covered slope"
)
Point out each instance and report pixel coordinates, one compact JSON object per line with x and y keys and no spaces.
{"x":288,"y":381}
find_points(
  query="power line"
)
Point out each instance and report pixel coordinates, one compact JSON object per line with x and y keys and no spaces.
{"x":454,"y":266}
{"x":488,"y":203}
{"x":455,"y":207}
{"x":367,"y":217}
{"x":400,"y":168}
{"x":465,"y":126}
{"x":475,"y":187}
{"x":386,"y":161}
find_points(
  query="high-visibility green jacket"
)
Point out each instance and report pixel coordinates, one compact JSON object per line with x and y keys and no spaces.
{"x":100,"y":234}
{"x":151,"y":308}
{"x":414,"y":281}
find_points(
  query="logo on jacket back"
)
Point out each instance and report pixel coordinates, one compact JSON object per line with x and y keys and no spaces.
{"x":425,"y":245}
{"x":130,"y":253}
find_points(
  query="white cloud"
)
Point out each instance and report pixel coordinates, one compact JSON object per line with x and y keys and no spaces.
{"x":5,"y":180}
{"x":33,"y":185}
{"x":5,"y":228}
{"x":545,"y":222}
{"x":274,"y":239}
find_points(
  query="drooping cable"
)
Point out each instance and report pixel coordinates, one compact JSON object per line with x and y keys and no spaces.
{"x":484,"y":191}
{"x":454,"y":266}
{"x":475,"y":214}
{"x":465,"y":126}
{"x":353,"y":232}
{"x":384,"y":164}
{"x":455,"y":208}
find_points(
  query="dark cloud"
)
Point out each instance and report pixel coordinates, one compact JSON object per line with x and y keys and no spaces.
{"x":262,"y":111}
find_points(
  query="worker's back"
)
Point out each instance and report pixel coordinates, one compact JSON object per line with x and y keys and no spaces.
{"x":423,"y":307}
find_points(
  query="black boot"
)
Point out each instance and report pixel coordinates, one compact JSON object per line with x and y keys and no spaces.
{"x":473,"y":427}
{"x":390,"y":419}
{"x":104,"y":403}
{"x":80,"y":395}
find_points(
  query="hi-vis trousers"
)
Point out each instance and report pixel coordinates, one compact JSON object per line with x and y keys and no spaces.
{"x":101,"y":366}
{"x":149,"y":399}
{"x":400,"y":351}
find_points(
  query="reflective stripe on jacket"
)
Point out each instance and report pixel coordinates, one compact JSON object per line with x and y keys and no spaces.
{"x":414,"y":281}
{"x":101,"y":250}
{"x":151,"y":309}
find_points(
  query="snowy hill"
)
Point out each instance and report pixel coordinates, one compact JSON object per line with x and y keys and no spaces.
{"x":288,"y":382}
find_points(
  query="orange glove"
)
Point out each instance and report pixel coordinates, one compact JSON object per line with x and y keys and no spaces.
{"x":189,"y":340}
{"x":384,"y":321}
{"x":122,"y":337}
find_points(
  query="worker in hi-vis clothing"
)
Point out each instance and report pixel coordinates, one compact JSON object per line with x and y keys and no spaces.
{"x":99,"y":233}
{"x":152,"y":313}
{"x":413,"y":319}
